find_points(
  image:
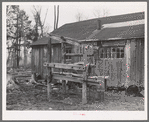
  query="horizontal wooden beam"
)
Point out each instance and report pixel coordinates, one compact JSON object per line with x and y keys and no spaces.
{"x":68,"y":73}
{"x":74,"y":79}
{"x":99,"y":77}
{"x":62,"y":77}
{"x":66,"y":40}
{"x":64,"y":66}
{"x":74,"y":54}
{"x":77,"y":54}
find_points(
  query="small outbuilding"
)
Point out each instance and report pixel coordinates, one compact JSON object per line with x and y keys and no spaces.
{"x":121,"y":47}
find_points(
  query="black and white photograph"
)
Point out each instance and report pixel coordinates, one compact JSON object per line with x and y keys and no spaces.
{"x":74,"y":60}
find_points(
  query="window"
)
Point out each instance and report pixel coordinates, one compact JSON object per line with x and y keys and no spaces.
{"x":111,"y":52}
{"x":68,"y":50}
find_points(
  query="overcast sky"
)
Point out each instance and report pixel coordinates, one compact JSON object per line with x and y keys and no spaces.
{"x":68,"y":10}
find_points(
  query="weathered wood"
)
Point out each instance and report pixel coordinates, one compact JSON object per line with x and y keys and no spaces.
{"x":138,"y":61}
{"x":84,"y":93}
{"x":127,"y":63}
{"x":66,"y":40}
{"x":62,"y":77}
{"x":84,"y":84}
{"x":74,"y":54}
{"x":133,"y":60}
{"x":64,"y":66}
{"x":142,"y":62}
{"x":49,"y":74}
{"x":113,"y":43}
{"x":68,"y":73}
{"x":63,"y":61}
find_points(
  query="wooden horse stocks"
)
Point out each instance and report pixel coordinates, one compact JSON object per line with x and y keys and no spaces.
{"x":84,"y":80}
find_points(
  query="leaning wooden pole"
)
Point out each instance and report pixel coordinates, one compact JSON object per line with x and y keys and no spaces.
{"x":49,"y":72}
{"x":63,"y":61}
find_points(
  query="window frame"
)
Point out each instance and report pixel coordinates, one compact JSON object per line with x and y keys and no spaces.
{"x":69,"y":51}
{"x":103,"y":52}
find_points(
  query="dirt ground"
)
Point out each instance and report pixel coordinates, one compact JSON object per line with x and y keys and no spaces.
{"x":29,"y":97}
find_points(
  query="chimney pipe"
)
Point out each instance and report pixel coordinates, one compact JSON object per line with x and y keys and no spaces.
{"x":98,"y":24}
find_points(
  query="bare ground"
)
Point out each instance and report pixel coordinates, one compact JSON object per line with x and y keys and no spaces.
{"x":28,"y":97}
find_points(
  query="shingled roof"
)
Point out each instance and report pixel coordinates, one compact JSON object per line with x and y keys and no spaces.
{"x":83,"y":29}
{"x":43,"y":41}
{"x":126,"y":32}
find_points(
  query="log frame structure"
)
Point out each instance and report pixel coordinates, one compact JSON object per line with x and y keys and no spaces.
{"x":112,"y":55}
{"x":85,"y":77}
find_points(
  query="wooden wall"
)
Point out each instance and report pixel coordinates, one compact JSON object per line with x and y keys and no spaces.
{"x":128,"y":70}
{"x":39,"y":56}
{"x":56,"y":53}
{"x":119,"y":69}
{"x":137,"y":61}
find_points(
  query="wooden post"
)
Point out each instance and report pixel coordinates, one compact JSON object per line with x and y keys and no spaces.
{"x":84,"y":84}
{"x":63,"y":61}
{"x":127,"y":50}
{"x":49,"y":74}
{"x":84,"y":89}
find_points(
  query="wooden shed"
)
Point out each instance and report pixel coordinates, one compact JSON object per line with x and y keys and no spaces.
{"x":39,"y":55}
{"x":121,"y":47}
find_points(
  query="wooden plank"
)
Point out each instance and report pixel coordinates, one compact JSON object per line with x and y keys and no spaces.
{"x":84,"y":93}
{"x":62,"y":77}
{"x":74,"y":54}
{"x":63,"y":61}
{"x":64,"y":66}
{"x":133,"y":61}
{"x":32,"y":60}
{"x":123,"y":70}
{"x":49,"y":74}
{"x":139,"y":62}
{"x":142,"y":62}
{"x":84,"y":84}
{"x":119,"y":72}
{"x":64,"y":39}
{"x":127,"y":63}
{"x":114,"y":80}
{"x":113,"y":43}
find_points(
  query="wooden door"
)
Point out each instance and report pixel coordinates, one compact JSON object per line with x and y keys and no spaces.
{"x":112,"y":63}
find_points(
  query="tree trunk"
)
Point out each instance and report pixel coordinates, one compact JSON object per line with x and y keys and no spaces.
{"x":17,"y":45}
{"x":24,"y":43}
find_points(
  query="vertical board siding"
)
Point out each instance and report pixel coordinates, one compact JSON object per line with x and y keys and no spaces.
{"x":114,"y":68}
{"x":44,"y":60}
{"x":128,"y":63}
{"x":123,"y":71}
{"x":32,"y":59}
{"x":133,"y":61}
{"x":139,"y":61}
{"x":138,"y":58}
{"x":142,"y":62}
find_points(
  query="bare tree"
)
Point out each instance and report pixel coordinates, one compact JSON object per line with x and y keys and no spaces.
{"x":99,"y":13}
{"x":38,"y":21}
{"x":79,"y":16}
{"x":105,"y":12}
